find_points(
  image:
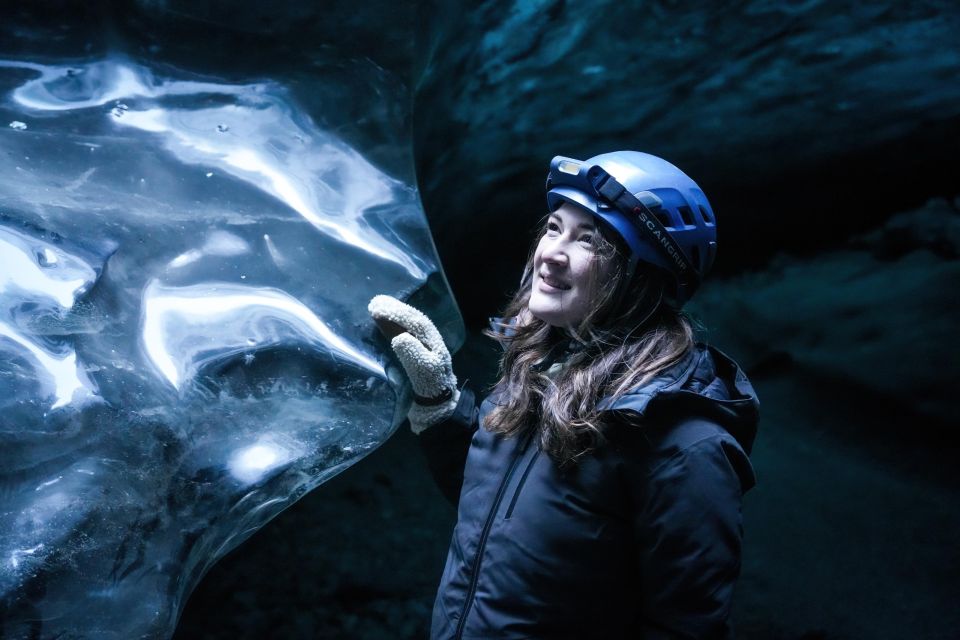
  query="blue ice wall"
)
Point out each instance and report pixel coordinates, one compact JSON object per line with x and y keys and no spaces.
{"x":187,"y":257}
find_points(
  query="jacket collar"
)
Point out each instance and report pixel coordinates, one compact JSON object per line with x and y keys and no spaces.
{"x":707,"y":383}
{"x":670,"y":380}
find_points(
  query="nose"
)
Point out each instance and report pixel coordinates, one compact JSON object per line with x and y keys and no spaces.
{"x":555,"y":252}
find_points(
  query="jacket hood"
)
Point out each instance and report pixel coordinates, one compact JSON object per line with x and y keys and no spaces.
{"x":705,"y":383}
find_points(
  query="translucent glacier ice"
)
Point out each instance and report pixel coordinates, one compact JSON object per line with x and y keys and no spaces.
{"x":184,"y":347}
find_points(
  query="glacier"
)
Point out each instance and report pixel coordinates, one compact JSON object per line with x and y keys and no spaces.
{"x":185,"y":263}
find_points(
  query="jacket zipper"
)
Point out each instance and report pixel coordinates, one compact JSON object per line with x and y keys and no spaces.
{"x":483,"y":537}
{"x":523,"y":481}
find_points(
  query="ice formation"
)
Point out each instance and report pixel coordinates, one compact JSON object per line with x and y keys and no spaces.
{"x":184,"y":343}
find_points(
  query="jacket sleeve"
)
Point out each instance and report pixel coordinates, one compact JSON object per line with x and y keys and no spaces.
{"x":446,"y":443}
{"x":689,"y":531}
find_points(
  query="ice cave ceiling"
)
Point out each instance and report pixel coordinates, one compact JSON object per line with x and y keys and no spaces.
{"x":825,"y":134}
{"x":805,"y":122}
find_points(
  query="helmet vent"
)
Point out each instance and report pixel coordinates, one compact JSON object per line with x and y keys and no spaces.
{"x":662,"y":216}
{"x":687,"y":215}
{"x":706,"y":214}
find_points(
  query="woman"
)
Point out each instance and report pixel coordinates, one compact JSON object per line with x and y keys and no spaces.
{"x":599,"y":485}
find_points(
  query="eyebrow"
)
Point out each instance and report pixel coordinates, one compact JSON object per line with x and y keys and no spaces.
{"x":589,"y":226}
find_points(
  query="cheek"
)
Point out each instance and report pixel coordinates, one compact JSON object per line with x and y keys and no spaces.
{"x":583,"y":268}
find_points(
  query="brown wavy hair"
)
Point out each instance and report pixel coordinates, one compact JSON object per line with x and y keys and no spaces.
{"x":629,"y":336}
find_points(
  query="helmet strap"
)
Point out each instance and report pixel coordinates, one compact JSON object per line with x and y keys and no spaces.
{"x":650,"y":227}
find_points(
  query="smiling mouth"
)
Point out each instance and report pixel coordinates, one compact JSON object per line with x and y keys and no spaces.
{"x":554,"y":283}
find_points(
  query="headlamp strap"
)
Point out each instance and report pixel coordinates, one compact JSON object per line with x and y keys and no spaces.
{"x":634,"y":209}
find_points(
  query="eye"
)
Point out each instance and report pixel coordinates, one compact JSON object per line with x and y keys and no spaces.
{"x":553,"y":227}
{"x":587,"y":239}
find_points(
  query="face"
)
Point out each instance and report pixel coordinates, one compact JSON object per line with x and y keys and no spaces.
{"x":562,"y":290}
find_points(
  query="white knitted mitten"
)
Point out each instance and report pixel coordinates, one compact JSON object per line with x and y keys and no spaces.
{"x":424,"y":357}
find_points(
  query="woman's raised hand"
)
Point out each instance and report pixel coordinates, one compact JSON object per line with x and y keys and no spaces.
{"x":423,"y":356}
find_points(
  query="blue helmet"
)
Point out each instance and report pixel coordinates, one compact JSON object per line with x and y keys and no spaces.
{"x":658,"y":210}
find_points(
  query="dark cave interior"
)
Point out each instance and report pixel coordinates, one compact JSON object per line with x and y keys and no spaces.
{"x":826,"y":137}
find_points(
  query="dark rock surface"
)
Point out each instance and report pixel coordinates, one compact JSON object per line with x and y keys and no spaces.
{"x":804,"y":122}
{"x":878,"y":317}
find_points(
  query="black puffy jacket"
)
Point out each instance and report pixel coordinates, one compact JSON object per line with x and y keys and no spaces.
{"x":641,"y":539}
